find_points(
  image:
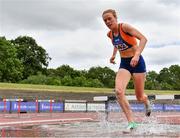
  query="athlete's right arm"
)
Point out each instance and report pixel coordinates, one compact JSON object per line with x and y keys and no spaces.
{"x":113,"y":56}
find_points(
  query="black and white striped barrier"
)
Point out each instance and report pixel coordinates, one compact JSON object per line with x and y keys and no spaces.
{"x":14,"y":100}
{"x":113,"y":106}
{"x":133,"y":97}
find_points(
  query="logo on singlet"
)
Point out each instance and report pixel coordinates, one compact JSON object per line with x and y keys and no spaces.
{"x":119,"y":44}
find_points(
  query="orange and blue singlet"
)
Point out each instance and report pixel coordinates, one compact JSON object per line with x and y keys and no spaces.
{"x":123,"y":42}
{"x":119,"y":43}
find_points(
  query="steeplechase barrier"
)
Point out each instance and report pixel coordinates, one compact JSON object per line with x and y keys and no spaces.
{"x":99,"y":103}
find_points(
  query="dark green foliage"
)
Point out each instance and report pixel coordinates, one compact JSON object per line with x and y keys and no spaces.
{"x":33,"y":57}
{"x":105,"y":75}
{"x":167,"y":79}
{"x":10,"y":66}
{"x":42,"y":79}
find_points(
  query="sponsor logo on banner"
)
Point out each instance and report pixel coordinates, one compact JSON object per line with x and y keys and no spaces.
{"x":137,"y":107}
{"x":174,"y":107}
{"x":113,"y":107}
{"x":96,"y":107}
{"x":157,"y":107}
{"x":75,"y":106}
{"x":24,"y":106}
{"x":46,"y":106}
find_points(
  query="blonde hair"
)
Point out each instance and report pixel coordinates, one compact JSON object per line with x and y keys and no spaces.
{"x":110,"y":11}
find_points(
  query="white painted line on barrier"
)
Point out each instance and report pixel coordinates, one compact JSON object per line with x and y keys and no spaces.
{"x":75,"y":101}
{"x":160,"y":97}
{"x":105,"y":98}
{"x":17,"y":100}
{"x":44,"y":121}
{"x":100,"y":98}
{"x":131,"y":97}
{"x":45,"y":100}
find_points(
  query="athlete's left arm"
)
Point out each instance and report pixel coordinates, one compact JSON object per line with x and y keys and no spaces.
{"x":134,"y":32}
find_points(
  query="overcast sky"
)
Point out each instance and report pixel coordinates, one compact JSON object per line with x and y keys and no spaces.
{"x":73,"y":32}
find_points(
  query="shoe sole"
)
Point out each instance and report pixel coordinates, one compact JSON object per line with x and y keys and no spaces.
{"x":148,"y":113}
{"x":128,"y":132}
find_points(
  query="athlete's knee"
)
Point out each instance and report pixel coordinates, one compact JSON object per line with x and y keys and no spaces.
{"x":141,"y":98}
{"x":119,"y":92}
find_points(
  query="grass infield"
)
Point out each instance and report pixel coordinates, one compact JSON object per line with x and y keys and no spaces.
{"x":52,"y":88}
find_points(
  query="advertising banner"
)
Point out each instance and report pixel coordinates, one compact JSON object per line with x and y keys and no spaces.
{"x":23,"y":106}
{"x":75,"y":106}
{"x":158,"y":107}
{"x":47,"y":106}
{"x":96,"y":107}
{"x":113,"y":107}
{"x":173,"y":107}
{"x":137,"y":107}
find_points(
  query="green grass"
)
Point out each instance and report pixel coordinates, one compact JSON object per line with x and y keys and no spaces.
{"x":31,"y":87}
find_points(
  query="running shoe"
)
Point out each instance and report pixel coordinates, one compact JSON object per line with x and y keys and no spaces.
{"x":131,"y":126}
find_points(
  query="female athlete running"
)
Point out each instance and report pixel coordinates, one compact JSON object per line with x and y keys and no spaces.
{"x":124,"y":38}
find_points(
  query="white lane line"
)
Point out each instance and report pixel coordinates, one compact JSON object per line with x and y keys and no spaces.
{"x":45,"y":121}
{"x":166,"y":116}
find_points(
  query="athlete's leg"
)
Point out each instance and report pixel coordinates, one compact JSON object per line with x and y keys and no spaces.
{"x":139,"y":81}
{"x":122,"y":78}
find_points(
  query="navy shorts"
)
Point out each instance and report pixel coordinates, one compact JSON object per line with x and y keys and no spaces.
{"x":139,"y":68}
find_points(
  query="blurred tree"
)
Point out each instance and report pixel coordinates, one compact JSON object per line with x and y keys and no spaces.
{"x":175,"y":76}
{"x":10,"y":66}
{"x":151,"y":81}
{"x":67,"y":81}
{"x":105,"y":75}
{"x":34,"y":57}
{"x":66,"y":70}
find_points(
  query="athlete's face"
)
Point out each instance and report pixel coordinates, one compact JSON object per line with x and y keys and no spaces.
{"x":110,"y":20}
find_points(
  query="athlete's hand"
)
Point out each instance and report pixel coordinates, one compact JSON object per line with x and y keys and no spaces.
{"x":134,"y":61}
{"x":112,"y":60}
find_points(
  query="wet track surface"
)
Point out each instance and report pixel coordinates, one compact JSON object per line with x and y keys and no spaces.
{"x":97,"y":126}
